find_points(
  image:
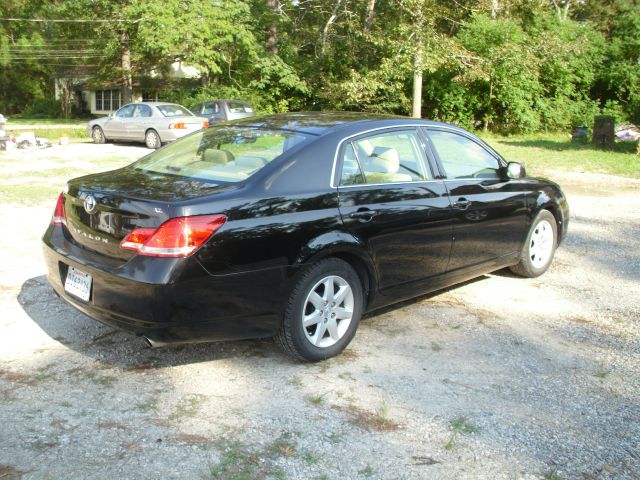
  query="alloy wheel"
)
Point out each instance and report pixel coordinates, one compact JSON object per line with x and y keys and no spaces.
{"x":328,"y":311}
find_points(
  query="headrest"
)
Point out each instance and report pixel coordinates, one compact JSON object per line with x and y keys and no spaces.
{"x":365,"y":148}
{"x":217,"y":157}
{"x":385,"y":160}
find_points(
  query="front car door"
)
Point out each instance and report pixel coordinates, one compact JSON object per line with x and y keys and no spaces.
{"x":116,"y":126}
{"x":491,"y":211}
{"x":391,"y":202}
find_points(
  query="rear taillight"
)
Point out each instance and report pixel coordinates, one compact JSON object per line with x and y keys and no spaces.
{"x":178,"y":125}
{"x":177,"y":237}
{"x":59,"y":217}
{"x":205,"y":124}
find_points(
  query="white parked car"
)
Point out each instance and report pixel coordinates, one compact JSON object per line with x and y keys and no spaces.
{"x":153,"y":123}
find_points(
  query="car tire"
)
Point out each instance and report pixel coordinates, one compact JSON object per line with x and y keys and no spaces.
{"x":98,"y":135}
{"x":540,"y":246}
{"x":152,"y":139}
{"x":316,"y":324}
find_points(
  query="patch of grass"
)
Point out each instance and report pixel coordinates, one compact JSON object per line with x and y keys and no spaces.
{"x":602,"y":374}
{"x":102,"y":380}
{"x":435,"y":346}
{"x":551,"y":475}
{"x":334,"y":438}
{"x":366,"y":471}
{"x":552,"y":151}
{"x":148,"y":406}
{"x":9,"y":472}
{"x":310,"y":458}
{"x":378,"y":421}
{"x":239,"y":462}
{"x":18,"y":120}
{"x":295,"y":381}
{"x":188,"y":407}
{"x":317,"y":399}
{"x":282,"y":447}
{"x":459,"y":426}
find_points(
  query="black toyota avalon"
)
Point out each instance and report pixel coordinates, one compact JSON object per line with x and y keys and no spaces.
{"x":293,"y":226}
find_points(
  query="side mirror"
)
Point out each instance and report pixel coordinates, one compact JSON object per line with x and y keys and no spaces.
{"x":516,"y":170}
{"x":111,"y":115}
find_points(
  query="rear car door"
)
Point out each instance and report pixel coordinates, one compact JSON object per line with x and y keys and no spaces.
{"x":137,"y":125}
{"x":490,"y":210}
{"x":391,"y":202}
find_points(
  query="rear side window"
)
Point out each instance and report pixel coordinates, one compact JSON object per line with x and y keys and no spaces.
{"x":239,"y":107}
{"x":463,"y":158}
{"x":173,"y":110}
{"x":390,"y":157}
{"x":142,"y":111}
{"x":226,"y":154}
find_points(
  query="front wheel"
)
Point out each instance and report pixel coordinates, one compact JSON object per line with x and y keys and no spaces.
{"x":539,"y":248}
{"x":98,"y":135}
{"x":323,"y":311}
{"x":152,"y":139}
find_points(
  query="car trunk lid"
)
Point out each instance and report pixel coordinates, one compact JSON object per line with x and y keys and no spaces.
{"x":102,"y":209}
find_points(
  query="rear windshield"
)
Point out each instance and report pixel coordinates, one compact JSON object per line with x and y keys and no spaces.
{"x":174,"y":110}
{"x":225,"y":153}
{"x":239,"y":107}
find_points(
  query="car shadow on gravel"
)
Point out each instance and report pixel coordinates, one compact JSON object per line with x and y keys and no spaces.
{"x":76,"y":331}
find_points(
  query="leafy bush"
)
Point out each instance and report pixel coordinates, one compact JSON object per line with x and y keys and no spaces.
{"x":43,"y":108}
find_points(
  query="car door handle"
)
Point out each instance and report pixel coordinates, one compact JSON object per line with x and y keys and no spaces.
{"x":363,"y":215}
{"x":461,"y":204}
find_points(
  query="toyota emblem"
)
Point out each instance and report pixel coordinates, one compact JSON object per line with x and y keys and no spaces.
{"x":89,"y":204}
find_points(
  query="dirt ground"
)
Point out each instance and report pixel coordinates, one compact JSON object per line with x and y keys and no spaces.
{"x":501,"y":378}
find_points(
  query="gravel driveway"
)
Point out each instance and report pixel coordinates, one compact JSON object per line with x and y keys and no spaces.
{"x":499,"y":378}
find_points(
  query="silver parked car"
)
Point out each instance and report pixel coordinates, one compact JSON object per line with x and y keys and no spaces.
{"x":217,"y":111}
{"x":153,"y":123}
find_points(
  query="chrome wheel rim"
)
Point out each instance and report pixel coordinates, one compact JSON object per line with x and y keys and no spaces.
{"x":152,"y":139}
{"x":97,"y":134}
{"x":541,"y":244}
{"x":327,"y":311}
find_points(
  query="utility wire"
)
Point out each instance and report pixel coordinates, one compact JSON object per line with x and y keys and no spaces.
{"x":61,"y":20}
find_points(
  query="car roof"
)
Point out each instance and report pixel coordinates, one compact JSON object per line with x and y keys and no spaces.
{"x":321,"y":123}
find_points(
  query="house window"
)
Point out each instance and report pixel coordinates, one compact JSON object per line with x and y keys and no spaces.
{"x":107,"y":100}
{"x":149,"y":96}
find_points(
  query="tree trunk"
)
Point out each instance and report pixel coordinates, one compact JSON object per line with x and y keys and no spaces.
{"x":325,"y":31}
{"x":65,"y":97}
{"x":127,"y":81}
{"x":272,"y":29}
{"x":368,"y":21}
{"x":495,"y":6}
{"x":417,"y":85}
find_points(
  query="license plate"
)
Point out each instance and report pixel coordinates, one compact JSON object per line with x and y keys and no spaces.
{"x":78,"y":283}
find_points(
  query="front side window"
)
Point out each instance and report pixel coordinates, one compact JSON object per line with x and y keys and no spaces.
{"x":126,"y":111}
{"x":225,"y":154}
{"x":463,"y":158}
{"x":390,"y":157}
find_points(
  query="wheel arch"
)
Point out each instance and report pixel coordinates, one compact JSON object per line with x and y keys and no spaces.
{"x":347,"y":248}
{"x":155,"y":130}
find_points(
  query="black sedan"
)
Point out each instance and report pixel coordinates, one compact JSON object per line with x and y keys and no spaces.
{"x":292,"y":226}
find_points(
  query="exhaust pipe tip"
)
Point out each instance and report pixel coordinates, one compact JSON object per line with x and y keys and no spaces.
{"x":153,"y":343}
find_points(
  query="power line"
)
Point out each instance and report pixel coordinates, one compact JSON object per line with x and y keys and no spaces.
{"x":75,"y":20}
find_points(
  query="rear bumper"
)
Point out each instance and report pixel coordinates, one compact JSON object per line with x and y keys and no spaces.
{"x":169,"y":300}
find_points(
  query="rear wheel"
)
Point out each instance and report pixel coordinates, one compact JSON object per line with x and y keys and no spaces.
{"x":540,"y":246}
{"x":152,"y":139}
{"x":323,"y":311}
{"x":98,"y":135}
